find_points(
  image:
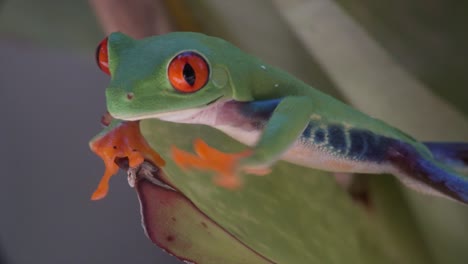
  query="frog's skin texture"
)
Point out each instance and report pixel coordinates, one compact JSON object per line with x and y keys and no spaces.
{"x":272,"y":112}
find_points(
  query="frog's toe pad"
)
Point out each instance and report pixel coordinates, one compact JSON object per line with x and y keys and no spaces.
{"x":210,"y":159}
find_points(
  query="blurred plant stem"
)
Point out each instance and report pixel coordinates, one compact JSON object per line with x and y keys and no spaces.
{"x":367,"y":75}
{"x":428,"y":38}
{"x":137,"y":18}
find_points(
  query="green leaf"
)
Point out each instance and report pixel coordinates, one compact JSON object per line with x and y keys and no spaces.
{"x":293,"y":215}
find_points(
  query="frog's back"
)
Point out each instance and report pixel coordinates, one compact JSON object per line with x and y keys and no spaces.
{"x":329,"y":111}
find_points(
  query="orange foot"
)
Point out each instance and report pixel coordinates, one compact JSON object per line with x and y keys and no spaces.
{"x":208,"y":158}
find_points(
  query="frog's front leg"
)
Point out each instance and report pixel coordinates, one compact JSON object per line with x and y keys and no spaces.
{"x":287,"y":122}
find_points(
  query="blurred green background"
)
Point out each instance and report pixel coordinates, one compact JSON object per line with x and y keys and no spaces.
{"x":401,"y":61}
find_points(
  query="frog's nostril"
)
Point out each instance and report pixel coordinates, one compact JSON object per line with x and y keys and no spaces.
{"x":130,"y":96}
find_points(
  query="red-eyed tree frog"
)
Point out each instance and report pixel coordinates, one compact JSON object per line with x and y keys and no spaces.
{"x":197,"y":79}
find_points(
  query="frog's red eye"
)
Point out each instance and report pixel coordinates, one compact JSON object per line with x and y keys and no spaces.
{"x":188,"y":72}
{"x":102,"y":57}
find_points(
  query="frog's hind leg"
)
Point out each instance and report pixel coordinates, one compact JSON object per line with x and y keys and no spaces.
{"x":453,"y":154}
{"x":426,"y":174}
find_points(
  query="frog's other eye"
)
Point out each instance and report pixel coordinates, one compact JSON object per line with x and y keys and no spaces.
{"x":102,"y":57}
{"x":188,"y":72}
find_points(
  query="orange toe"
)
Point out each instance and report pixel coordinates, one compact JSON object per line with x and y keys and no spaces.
{"x":208,"y":158}
{"x":184,"y":159}
{"x":103,"y":187}
{"x":205,"y":151}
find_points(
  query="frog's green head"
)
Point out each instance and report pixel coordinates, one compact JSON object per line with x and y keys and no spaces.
{"x":164,"y":74}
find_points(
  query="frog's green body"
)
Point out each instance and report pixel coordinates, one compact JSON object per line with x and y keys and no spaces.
{"x":279,"y":116}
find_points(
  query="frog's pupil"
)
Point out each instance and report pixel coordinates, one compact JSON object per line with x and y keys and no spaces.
{"x":189,"y":74}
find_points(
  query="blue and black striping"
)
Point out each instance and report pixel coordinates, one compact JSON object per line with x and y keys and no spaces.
{"x":358,"y":144}
{"x":337,"y":138}
{"x":353,"y":143}
{"x":366,"y":146}
{"x":320,"y":135}
{"x":315,"y":133}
